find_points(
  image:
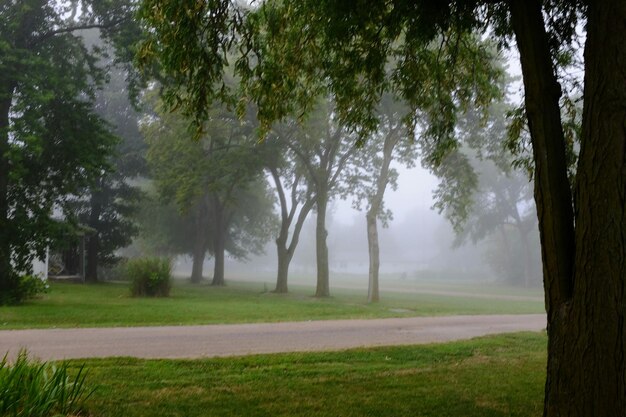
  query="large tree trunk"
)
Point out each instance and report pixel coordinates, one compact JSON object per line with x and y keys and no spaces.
{"x":374,"y":255}
{"x":284,"y":259}
{"x":594,"y":334}
{"x":219,"y":244}
{"x":200,"y":243}
{"x":323,"y":285}
{"x":584,"y":270}
{"x":199,"y":252}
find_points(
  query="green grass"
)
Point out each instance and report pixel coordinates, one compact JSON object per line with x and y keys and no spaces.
{"x":490,"y":376}
{"x":105,"y":305}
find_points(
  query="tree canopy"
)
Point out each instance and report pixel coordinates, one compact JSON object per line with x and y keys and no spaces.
{"x":215,"y":183}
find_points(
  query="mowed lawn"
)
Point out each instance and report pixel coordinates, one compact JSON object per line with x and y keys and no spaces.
{"x":109,"y":304}
{"x":491,"y":376}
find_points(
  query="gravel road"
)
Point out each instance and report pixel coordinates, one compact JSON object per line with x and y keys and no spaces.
{"x":245,"y":339}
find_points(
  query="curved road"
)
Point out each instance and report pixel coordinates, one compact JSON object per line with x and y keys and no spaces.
{"x":245,"y":339}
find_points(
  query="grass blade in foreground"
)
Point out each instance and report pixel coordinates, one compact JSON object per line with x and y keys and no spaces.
{"x":31,"y":388}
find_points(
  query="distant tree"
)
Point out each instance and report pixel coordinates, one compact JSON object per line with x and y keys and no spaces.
{"x":373,"y":173}
{"x":504,"y":210}
{"x":295,"y":196}
{"x":52,"y":142}
{"x":108,"y":206}
{"x":324,"y":148}
{"x":502,"y":196}
{"x":216,"y":183}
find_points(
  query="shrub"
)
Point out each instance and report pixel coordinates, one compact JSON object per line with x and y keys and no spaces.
{"x":29,"y":388}
{"x":30,"y":286}
{"x":25,"y":287}
{"x":150,"y":277}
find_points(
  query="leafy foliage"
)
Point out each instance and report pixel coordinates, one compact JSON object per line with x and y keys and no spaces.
{"x":372,"y":173}
{"x":27,"y":287}
{"x":32,"y":389}
{"x":215,"y":183}
{"x":52,"y":142}
{"x":289,"y":52}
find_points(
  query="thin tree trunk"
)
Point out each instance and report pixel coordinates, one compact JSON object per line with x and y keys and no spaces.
{"x":8,"y":282}
{"x":323,"y":285}
{"x":374,"y":256}
{"x":285,"y":252}
{"x":584,"y":270}
{"x":376,"y":201}
{"x":93,"y":241}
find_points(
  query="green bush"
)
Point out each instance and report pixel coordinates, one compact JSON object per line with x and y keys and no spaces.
{"x":30,"y":388}
{"x":150,"y":277}
{"x":24,"y":287}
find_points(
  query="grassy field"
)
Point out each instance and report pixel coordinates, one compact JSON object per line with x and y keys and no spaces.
{"x":492,"y":376}
{"x":104,"y":305}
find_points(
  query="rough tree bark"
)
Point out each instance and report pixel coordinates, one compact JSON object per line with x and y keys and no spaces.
{"x":585,"y":266}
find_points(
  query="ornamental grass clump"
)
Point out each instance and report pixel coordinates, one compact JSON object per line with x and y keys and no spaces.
{"x":150,"y":277}
{"x":29,"y":388}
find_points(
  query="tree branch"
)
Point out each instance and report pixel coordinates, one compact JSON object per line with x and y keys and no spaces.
{"x":71,"y":29}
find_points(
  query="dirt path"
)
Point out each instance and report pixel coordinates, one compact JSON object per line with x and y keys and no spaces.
{"x":244,"y":339}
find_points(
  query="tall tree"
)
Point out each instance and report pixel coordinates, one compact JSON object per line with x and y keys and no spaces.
{"x":503,"y":208}
{"x":324,"y":149}
{"x":346,"y":44}
{"x":52,"y":143}
{"x":295,"y":197}
{"x":108,"y":206}
{"x":373,"y":174}
{"x":502,"y":199}
{"x":216,"y":183}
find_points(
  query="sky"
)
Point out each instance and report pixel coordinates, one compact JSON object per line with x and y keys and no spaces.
{"x":415,"y":187}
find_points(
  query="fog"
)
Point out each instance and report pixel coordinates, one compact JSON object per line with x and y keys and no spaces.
{"x":417,"y":247}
